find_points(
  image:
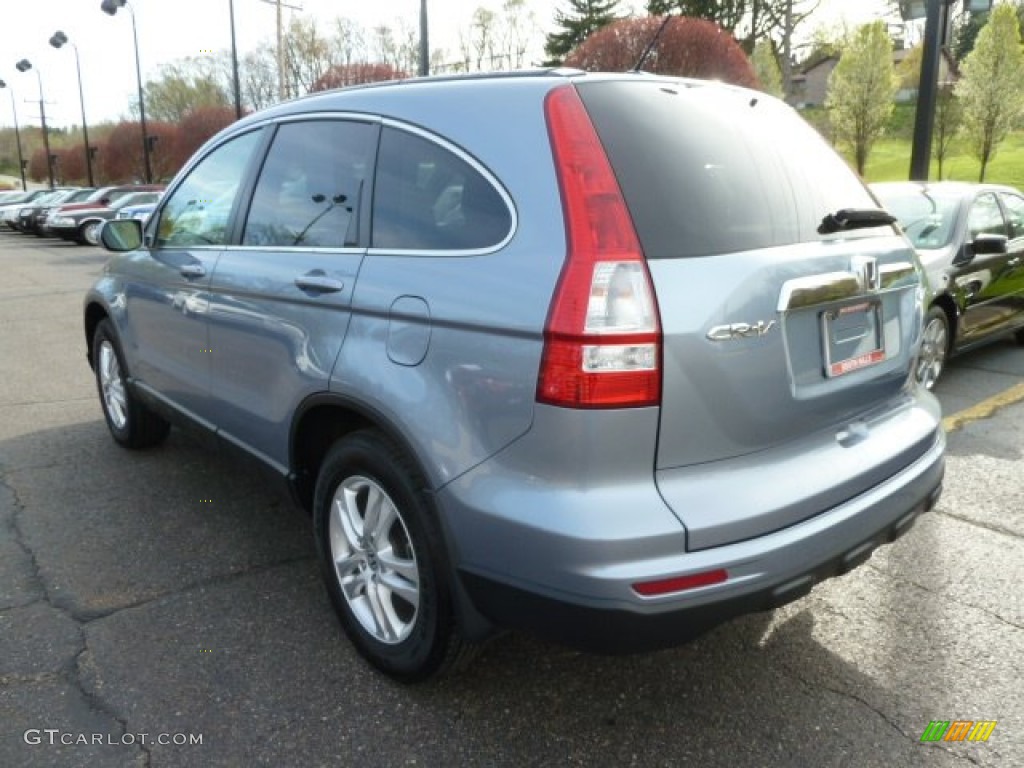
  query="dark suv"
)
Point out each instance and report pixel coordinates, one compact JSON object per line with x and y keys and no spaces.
{"x":609,"y":358}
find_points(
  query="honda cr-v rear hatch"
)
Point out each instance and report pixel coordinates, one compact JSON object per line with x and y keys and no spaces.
{"x":788,"y":311}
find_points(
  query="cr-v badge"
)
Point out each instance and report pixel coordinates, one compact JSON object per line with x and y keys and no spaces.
{"x":740,"y":330}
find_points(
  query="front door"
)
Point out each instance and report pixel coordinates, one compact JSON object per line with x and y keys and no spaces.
{"x":169,"y":298}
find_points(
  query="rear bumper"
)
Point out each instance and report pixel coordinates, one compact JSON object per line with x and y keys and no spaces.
{"x":617,"y":631}
{"x":561,"y":562}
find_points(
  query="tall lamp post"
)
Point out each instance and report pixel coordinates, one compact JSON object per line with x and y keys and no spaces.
{"x":17,"y":137}
{"x":936,"y":14}
{"x":424,"y":41}
{"x":234,"y":63}
{"x":24,"y":66}
{"x":110,"y":7}
{"x":57,"y":41}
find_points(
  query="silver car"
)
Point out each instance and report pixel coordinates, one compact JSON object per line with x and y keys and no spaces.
{"x":608,"y":358}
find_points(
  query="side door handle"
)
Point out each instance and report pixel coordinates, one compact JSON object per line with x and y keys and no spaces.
{"x":317,"y":281}
{"x":192,"y":270}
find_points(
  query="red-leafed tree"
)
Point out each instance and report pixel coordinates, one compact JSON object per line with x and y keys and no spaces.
{"x":162,"y":160}
{"x":195,"y":129}
{"x":686,"y":47}
{"x":71,"y":163}
{"x":37,"y":165}
{"x":358,"y":73}
{"x":120,"y":158}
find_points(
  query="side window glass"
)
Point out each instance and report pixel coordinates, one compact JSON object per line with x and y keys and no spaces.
{"x":985,"y":218}
{"x":197,"y":211}
{"x":1014,"y":214}
{"x":311,"y":185}
{"x":428,"y":198}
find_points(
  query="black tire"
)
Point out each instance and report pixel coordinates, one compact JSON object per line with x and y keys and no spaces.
{"x":1019,"y":336}
{"x":935,"y":346}
{"x":130,"y":422}
{"x":406,"y":551}
{"x":89,"y":233}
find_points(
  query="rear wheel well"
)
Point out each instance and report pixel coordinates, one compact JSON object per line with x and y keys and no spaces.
{"x":94,"y":314}
{"x":318,"y":428}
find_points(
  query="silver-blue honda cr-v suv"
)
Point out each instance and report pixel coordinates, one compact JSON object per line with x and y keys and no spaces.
{"x":608,"y":358}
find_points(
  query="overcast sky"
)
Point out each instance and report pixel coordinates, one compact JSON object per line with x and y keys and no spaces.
{"x":174,"y":29}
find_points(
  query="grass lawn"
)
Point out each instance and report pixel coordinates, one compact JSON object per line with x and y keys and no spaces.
{"x":890,"y":161}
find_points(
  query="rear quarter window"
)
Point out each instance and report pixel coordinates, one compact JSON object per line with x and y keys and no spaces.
{"x":426,"y":197}
{"x":708,"y":170}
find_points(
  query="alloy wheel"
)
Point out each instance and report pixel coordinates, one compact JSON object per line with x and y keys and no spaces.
{"x":112,"y":386}
{"x":932,"y":356}
{"x":374,"y":560}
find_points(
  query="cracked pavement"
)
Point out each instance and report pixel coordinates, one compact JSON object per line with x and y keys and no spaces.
{"x":172,"y":592}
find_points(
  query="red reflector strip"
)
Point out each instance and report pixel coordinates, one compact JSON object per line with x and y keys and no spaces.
{"x":681,"y":583}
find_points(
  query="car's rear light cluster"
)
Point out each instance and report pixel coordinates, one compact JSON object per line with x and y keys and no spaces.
{"x":602,"y":341}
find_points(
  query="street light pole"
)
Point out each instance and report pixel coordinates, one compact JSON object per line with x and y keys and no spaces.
{"x":110,"y":7}
{"x":234,"y":63}
{"x":17,"y":137}
{"x":424,"y":41}
{"x":57,"y":40}
{"x":936,"y":34}
{"x":24,"y":66}
{"x":921,"y":150}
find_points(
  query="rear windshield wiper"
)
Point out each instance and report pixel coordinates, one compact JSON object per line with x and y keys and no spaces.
{"x":854,"y":218}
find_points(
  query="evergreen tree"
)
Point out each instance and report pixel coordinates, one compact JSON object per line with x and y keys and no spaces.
{"x":583,"y":19}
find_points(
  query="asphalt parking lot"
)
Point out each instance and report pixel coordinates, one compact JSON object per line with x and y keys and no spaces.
{"x":169,"y":596}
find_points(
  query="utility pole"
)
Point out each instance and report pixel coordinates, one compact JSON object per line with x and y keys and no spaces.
{"x":282,"y":88}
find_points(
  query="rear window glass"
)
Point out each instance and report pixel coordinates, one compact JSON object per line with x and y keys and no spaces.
{"x":428,"y":198}
{"x":708,"y":170}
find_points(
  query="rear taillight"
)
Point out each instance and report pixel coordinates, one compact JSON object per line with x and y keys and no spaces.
{"x":602,"y":341}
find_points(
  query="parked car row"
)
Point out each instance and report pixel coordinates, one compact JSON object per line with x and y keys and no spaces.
{"x":75,"y":213}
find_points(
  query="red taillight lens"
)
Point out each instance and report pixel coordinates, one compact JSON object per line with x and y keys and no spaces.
{"x":681,"y":583}
{"x":602,"y":340}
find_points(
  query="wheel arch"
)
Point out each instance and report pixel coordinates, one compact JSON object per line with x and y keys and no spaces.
{"x":320,"y":421}
{"x":948,"y":305}
{"x":95,"y":313}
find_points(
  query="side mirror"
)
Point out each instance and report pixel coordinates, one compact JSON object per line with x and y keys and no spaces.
{"x":980,"y":245}
{"x":120,"y":235}
{"x":989,"y":244}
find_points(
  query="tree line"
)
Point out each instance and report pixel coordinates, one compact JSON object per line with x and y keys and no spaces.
{"x":747,"y":42}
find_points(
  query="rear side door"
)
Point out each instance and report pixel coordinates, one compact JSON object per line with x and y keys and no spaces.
{"x":167,"y":286}
{"x":984,"y":280}
{"x":280,"y":296}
